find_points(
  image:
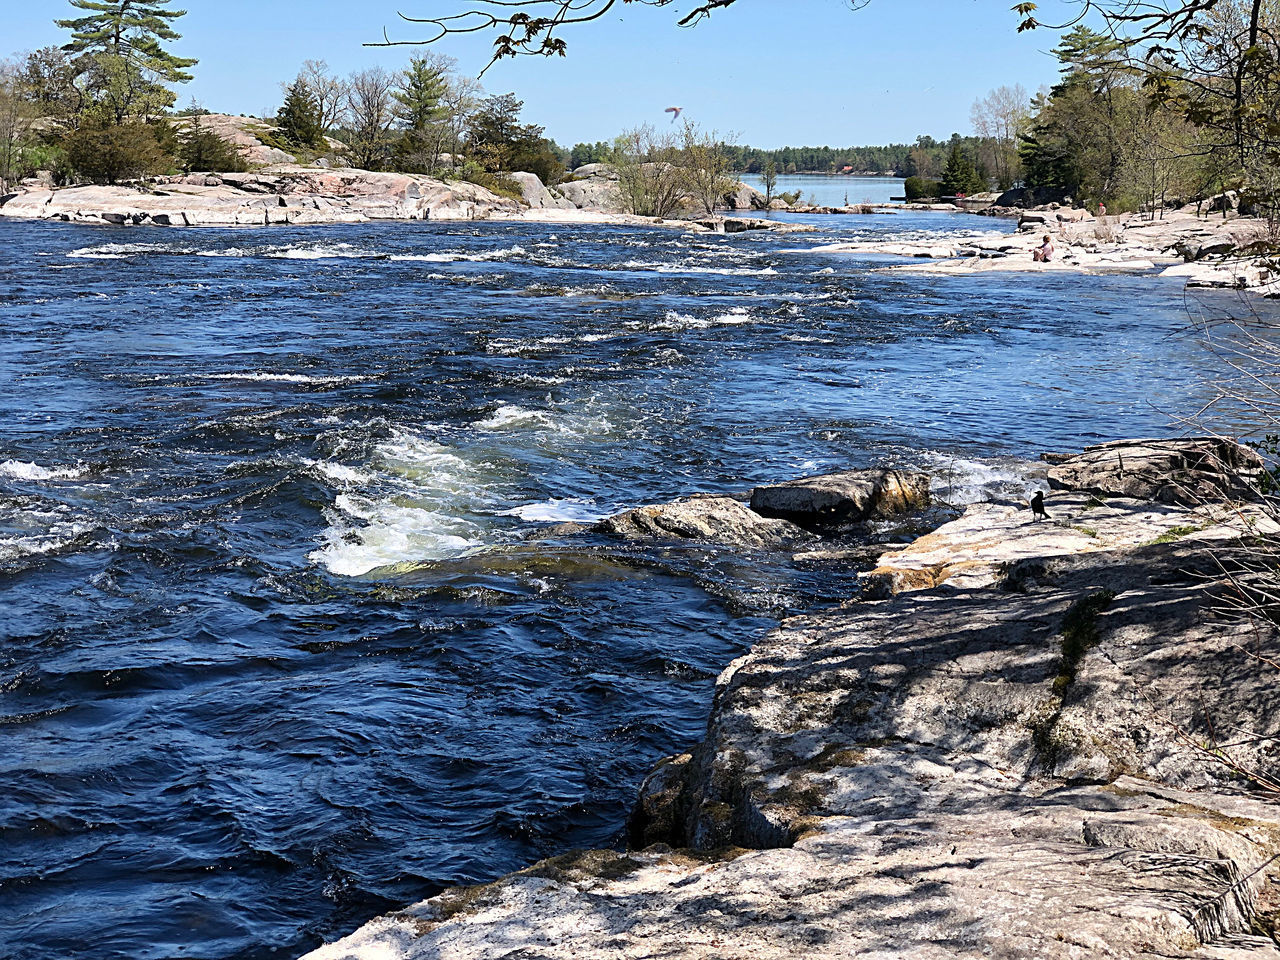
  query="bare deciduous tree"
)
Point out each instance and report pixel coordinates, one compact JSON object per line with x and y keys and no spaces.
{"x":999,"y":119}
{"x":649,"y":175}
{"x":370,"y":113}
{"x":328,"y":91}
{"x":705,"y":166}
{"x":16,"y":116}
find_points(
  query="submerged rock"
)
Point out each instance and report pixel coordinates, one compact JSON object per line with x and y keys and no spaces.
{"x":835,"y":500}
{"x":710,"y":519}
{"x":1182,"y":471}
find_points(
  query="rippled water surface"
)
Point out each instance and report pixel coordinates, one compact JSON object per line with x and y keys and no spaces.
{"x":276,"y":652}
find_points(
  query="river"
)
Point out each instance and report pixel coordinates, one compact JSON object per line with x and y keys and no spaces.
{"x":831,"y":190}
{"x":276,"y":654}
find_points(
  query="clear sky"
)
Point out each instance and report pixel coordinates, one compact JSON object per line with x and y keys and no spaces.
{"x":776,"y":72}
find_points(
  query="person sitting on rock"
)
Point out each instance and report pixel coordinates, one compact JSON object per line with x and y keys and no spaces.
{"x":1044,"y":252}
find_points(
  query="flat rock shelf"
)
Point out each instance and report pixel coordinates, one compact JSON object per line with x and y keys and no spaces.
{"x":1021,"y":764}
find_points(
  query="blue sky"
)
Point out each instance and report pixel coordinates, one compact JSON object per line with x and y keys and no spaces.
{"x":776,"y":72}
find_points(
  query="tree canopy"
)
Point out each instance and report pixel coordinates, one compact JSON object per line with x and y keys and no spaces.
{"x":131,"y":29}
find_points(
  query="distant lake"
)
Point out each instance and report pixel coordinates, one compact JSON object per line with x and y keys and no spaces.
{"x":830,"y":191}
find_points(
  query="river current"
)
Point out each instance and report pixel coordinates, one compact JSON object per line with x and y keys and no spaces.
{"x":276,"y":652}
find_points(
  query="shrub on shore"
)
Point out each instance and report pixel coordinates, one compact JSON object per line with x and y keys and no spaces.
{"x":114,"y":152}
{"x":918,"y":188}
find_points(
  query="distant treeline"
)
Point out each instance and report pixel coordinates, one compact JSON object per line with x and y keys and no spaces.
{"x":925,"y":158}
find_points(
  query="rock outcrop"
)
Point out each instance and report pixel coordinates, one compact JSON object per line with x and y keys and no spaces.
{"x":1048,"y":766}
{"x":720,"y":520}
{"x":1217,"y":252}
{"x":1185,"y":471}
{"x":538,"y":196}
{"x":836,"y":500}
{"x":594,"y":187}
{"x":1046,"y":762}
{"x":744,"y":197}
{"x":280,"y":195}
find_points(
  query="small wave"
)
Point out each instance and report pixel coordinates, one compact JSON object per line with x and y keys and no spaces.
{"x":455,"y":256}
{"x":263,"y":377}
{"x":386,"y":533}
{"x":674,"y":320}
{"x":338,"y":474}
{"x":19,"y":470}
{"x":960,"y":481}
{"x":510,"y":417}
{"x":679,"y":268}
{"x":413,"y":502}
{"x":61,"y":536}
{"x":322,"y":251}
{"x":558,"y":511}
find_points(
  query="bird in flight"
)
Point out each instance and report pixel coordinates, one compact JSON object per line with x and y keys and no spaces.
{"x":675,"y":112}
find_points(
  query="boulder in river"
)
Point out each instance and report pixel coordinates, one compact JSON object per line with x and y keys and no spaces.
{"x":709,"y":519}
{"x":1177,"y":471}
{"x":839,"y":499}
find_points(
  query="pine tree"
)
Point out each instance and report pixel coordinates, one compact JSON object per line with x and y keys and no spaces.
{"x":960,"y":177}
{"x":131,"y":29}
{"x":299,"y":118}
{"x":423,"y":85}
{"x":200,"y":148}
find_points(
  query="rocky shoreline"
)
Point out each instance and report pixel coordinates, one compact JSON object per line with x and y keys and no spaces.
{"x":1023,"y":740}
{"x":294,"y":195}
{"x":1207,"y":251}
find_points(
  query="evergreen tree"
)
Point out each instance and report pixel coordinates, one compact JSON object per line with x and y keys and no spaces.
{"x":200,"y":148}
{"x":113,"y":152}
{"x":419,"y":106}
{"x":299,"y":117}
{"x":131,"y":29}
{"x":423,"y":85}
{"x":960,"y":176}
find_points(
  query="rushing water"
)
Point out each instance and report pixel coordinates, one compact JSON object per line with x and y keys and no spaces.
{"x":275,"y":655}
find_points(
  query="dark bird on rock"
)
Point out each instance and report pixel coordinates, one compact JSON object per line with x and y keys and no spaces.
{"x":1037,"y":506}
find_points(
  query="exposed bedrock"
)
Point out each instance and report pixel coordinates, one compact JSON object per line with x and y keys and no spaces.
{"x":720,"y":520}
{"x":1194,"y":470}
{"x":1050,"y":761}
{"x":839,"y":499}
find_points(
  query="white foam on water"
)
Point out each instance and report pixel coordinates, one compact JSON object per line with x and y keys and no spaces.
{"x":417,"y":499}
{"x":122,"y":251}
{"x":26,"y":530}
{"x":339,"y":474}
{"x":386,"y":533}
{"x":674,"y":320}
{"x":558,"y":511}
{"x":19,"y":470}
{"x":321,"y":251}
{"x":960,"y":481}
{"x":410,"y":504}
{"x":510,"y":417}
{"x":670,"y":268}
{"x":456,"y":256}
{"x":264,"y":377}
{"x":58,"y":536}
